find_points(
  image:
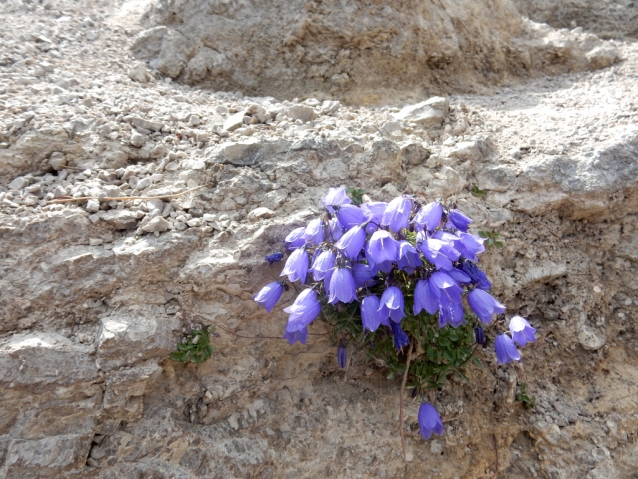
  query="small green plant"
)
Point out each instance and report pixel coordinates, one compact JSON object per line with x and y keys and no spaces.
{"x":356,"y":194}
{"x":492,"y":238}
{"x":528,"y":401}
{"x":194,"y":347}
{"x":476,"y":191}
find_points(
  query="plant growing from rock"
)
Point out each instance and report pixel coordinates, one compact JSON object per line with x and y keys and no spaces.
{"x":401,"y":280}
{"x":194,"y":347}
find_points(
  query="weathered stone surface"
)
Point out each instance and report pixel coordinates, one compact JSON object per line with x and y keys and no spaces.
{"x":27,"y":154}
{"x":427,"y":113}
{"x":127,"y":338}
{"x":44,"y":360}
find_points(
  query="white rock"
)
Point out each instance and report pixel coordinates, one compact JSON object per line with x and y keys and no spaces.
{"x":589,"y":340}
{"x":92,"y":206}
{"x":18,"y":183}
{"x":234,"y":121}
{"x":260,"y":214}
{"x":143,"y":184}
{"x":427,"y":113}
{"x":156,"y":225}
{"x":137,"y":139}
{"x":302,"y":113}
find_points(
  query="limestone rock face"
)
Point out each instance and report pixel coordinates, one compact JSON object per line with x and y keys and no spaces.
{"x":356,"y":49}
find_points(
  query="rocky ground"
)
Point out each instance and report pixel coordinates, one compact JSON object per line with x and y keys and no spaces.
{"x":189,"y":188}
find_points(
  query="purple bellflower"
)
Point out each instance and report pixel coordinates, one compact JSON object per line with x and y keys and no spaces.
{"x":325,"y":261}
{"x":479,"y":335}
{"x":397,"y":214}
{"x":342,"y":286}
{"x":374,"y":212}
{"x":342,"y":356}
{"x":382,"y":247}
{"x":314,"y":231}
{"x":505,"y":348}
{"x":303,"y":311}
{"x":401,"y":340}
{"x":350,"y":215}
{"x":295,"y":238}
{"x":335,"y":197}
{"x":478,"y":277}
{"x":469,"y":245}
{"x":429,"y":420}
{"x":484,"y":305}
{"x":370,"y":313}
{"x":363,"y":275}
{"x":292,"y":337}
{"x":335,"y":229}
{"x":297,"y":266}
{"x":274,"y":258}
{"x":428,"y":217}
{"x":449,"y":296}
{"x":459,"y":276}
{"x":425,"y":298}
{"x":352,"y":242}
{"x":431,"y":249}
{"x":391,"y":304}
{"x":459,"y":220}
{"x":409,"y":257}
{"x":269,"y":295}
{"x":522,"y":331}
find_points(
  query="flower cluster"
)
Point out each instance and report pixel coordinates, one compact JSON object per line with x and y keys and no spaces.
{"x":388,"y":262}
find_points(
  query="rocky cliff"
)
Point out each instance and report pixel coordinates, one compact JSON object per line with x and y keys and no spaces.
{"x":141,"y":187}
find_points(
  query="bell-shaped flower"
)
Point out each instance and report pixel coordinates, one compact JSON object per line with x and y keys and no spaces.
{"x":432,"y":250}
{"x":295,"y":238}
{"x":391,"y":304}
{"x":450,"y":310}
{"x":303,"y":311}
{"x":450,"y":302}
{"x":469,"y":245}
{"x":382,"y":247}
{"x":429,"y":420}
{"x":425,"y":298}
{"x":274,"y":258}
{"x":522,"y":331}
{"x":459,"y":220}
{"x":479,"y":335}
{"x":428,"y":217}
{"x":342,"y":286}
{"x":269,"y":295}
{"x":292,"y":337}
{"x":314,"y":232}
{"x":297,"y":266}
{"x":325,"y":261}
{"x":364,"y":275}
{"x":335,"y":197}
{"x":397,"y":214}
{"x":374,"y":212}
{"x":459,"y":276}
{"x":505,"y":348}
{"x":370,"y":313}
{"x":352,"y":242}
{"x":342,"y":356}
{"x":409,"y":257}
{"x":336,"y":229}
{"x":401,"y":340}
{"x":484,"y":305}
{"x":350,"y":216}
{"x":478,"y":277}
{"x":326,"y":280}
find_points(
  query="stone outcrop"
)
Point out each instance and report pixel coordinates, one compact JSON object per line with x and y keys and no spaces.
{"x":357,"y":50}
